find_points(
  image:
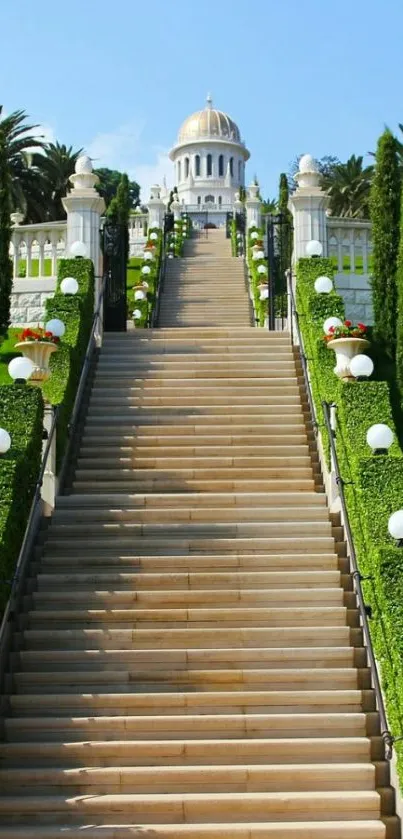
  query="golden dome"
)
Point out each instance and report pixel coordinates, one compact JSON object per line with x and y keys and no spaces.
{"x":209,"y":123}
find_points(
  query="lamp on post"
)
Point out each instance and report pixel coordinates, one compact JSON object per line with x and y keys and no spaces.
{"x":20,"y":369}
{"x":380,"y":438}
{"x":314,"y":249}
{"x":395,"y":527}
{"x":5,"y":441}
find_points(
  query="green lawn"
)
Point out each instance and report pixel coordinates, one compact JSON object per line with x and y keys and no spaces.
{"x":35,"y":268}
{"x":359,"y":268}
{"x":6,"y":354}
{"x":133,"y":275}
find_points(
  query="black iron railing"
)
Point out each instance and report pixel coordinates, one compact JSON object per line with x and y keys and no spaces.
{"x":386,"y":735}
{"x":154,"y":314}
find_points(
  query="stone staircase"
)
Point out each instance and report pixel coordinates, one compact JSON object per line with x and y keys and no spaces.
{"x":207,"y":286}
{"x":189,"y":661}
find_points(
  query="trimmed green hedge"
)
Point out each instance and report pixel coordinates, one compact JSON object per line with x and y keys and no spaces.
{"x":260,"y":306}
{"x":77,"y":315}
{"x":21,"y":414}
{"x":373,"y":483}
{"x":146,"y":306}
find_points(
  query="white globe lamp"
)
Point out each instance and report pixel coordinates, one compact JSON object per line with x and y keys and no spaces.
{"x":78,"y":249}
{"x":137,"y":314}
{"x":146,"y":269}
{"x":361,"y":366}
{"x":314,"y":248}
{"x":380,"y":438}
{"x":139,"y":294}
{"x":323,"y":285}
{"x":254,"y":234}
{"x":20,"y":369}
{"x":56,"y":327}
{"x":262,"y":269}
{"x":69,"y":285}
{"x":153,"y":236}
{"x":264,"y":293}
{"x":395,"y":527}
{"x":5,"y":441}
{"x":148,"y":256}
{"x":331,"y":322}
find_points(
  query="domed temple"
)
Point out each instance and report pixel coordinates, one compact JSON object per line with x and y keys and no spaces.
{"x":209,"y":159}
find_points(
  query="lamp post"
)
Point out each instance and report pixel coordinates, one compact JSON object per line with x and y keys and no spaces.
{"x":323,"y":285}
{"x":314,"y":249}
{"x":380,"y":438}
{"x":20,"y":369}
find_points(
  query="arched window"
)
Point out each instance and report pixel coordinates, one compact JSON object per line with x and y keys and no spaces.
{"x":197,"y":165}
{"x":179,"y":171}
{"x":231,"y":166}
{"x":199,"y":199}
{"x":221,"y":166}
{"x":209,"y":199}
{"x":186,"y":167}
{"x":209,"y":165}
{"x":239,"y":170}
{"x":219,"y":200}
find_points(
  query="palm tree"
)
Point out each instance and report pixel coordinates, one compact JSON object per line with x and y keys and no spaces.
{"x":55,"y":167}
{"x":348,"y":186}
{"x":25,"y":182}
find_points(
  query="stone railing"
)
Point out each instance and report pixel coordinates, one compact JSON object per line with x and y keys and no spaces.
{"x":35,"y":249}
{"x":138,"y":225}
{"x":349,"y":242}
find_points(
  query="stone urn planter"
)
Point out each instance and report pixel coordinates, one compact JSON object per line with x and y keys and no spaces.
{"x":39,"y":353}
{"x":346,"y":349}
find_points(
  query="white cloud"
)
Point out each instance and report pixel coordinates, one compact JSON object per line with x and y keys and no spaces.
{"x":125,"y":149}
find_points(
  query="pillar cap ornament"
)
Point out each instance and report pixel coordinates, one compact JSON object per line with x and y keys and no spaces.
{"x":84,"y":179}
{"x":308,"y":175}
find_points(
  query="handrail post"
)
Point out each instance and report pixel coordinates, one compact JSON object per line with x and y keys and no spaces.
{"x":49,"y":485}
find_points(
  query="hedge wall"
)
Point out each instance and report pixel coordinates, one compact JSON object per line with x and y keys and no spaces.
{"x":77,"y":314}
{"x":260,"y":306}
{"x":21,"y":414}
{"x":373,"y":484}
{"x":146,"y":306}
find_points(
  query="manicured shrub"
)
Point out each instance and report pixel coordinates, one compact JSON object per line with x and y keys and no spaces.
{"x":6,"y":269}
{"x":66,"y":364}
{"x":385,"y":216}
{"x":21,"y":414}
{"x":372,"y":485}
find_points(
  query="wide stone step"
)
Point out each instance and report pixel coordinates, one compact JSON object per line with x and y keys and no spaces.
{"x":128,"y":563}
{"x":278,"y":580}
{"x":140,"y":681}
{"x":198,"y":726}
{"x":387,"y":828}
{"x":249,"y":441}
{"x":182,"y":704}
{"x":192,"y":528}
{"x":199,"y":807}
{"x":188,"y":751}
{"x":183,"y":449}
{"x":153,"y":544}
{"x":176,"y":779}
{"x":192,"y":500}
{"x":300,"y":464}
{"x":177,"y":484}
{"x":199,"y":423}
{"x":186,"y":400}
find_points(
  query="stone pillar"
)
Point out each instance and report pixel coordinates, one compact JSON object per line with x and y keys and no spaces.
{"x":84,"y":207}
{"x":176,"y":208}
{"x":308,"y":205}
{"x":237,"y":205}
{"x":253,"y":205}
{"x":49,"y":486}
{"x":156,"y":209}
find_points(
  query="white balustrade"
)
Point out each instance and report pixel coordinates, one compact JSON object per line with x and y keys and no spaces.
{"x":37,"y":243}
{"x":349,"y":244}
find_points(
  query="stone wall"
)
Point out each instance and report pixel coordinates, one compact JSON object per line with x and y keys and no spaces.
{"x":28,"y":300}
{"x":355,"y":290}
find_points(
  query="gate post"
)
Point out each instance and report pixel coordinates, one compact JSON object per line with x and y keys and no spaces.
{"x":84,"y":207}
{"x":308,"y":204}
{"x":253,"y":205}
{"x":156,"y":209}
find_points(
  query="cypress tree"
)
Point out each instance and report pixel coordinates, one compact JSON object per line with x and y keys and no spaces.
{"x":285,"y":236}
{"x":385,"y":218}
{"x":399,"y":321}
{"x":6,"y":271}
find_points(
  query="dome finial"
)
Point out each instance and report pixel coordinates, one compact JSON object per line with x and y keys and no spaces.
{"x":209,"y":101}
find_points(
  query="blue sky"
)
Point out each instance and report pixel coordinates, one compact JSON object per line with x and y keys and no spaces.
{"x":119,"y":78}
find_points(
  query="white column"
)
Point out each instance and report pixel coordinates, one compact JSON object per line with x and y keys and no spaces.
{"x":156,"y":208}
{"x":253,"y":206}
{"x":84,"y":208}
{"x":308,"y":205}
{"x":176,"y":207}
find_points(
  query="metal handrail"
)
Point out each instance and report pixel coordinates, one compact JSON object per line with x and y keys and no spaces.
{"x":303,"y":355}
{"x":357,"y":577}
{"x":82,"y":383}
{"x":386,"y":735}
{"x":153,"y":317}
{"x":25,"y":550}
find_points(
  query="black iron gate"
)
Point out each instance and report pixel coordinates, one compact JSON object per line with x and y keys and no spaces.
{"x":115,"y":254}
{"x":279,"y":252}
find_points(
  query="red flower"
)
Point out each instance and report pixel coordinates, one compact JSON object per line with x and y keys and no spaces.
{"x":331,"y":329}
{"x":347,"y":323}
{"x":362,"y":327}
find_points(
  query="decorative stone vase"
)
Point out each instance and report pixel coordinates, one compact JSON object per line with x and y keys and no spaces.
{"x":346,"y":349}
{"x":39,"y":353}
